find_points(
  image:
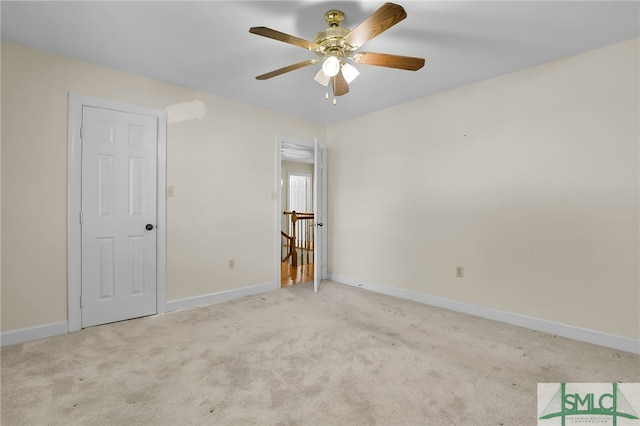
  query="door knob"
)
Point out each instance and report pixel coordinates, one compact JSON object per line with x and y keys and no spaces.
{"x":149,"y":227}
{"x":320,"y":224}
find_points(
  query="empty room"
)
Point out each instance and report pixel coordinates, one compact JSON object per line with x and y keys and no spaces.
{"x":320,"y":213}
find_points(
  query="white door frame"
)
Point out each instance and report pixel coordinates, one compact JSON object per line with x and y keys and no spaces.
{"x":74,"y":199}
{"x":278,"y":199}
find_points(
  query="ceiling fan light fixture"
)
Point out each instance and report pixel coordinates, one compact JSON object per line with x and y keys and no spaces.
{"x":349,"y":72}
{"x":335,"y":45}
{"x":331,"y":66}
{"x":322,"y":78}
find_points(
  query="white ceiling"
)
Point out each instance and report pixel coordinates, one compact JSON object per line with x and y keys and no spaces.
{"x":206,"y":45}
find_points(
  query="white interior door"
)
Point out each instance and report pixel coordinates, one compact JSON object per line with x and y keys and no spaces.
{"x":299,"y":192}
{"x":118,"y":215}
{"x":319,"y":175}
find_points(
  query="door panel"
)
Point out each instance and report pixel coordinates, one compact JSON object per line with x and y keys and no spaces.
{"x":300,"y":198}
{"x":119,"y":189}
{"x":318,"y":214}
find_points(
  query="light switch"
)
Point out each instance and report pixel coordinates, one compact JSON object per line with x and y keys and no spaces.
{"x":170,"y":191}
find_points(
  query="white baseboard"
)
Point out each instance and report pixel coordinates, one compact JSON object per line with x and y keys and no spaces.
{"x":209,"y":299}
{"x":576,"y":333}
{"x":33,"y":333}
{"x":559,"y":329}
{"x":48,"y":330}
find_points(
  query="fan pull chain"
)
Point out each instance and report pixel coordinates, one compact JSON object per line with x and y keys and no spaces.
{"x":326,"y":96}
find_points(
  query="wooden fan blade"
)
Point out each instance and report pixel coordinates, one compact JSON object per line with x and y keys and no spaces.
{"x":277,"y":35}
{"x":390,"y":61}
{"x":287,"y":69}
{"x":381,"y":20}
{"x":340,"y":85}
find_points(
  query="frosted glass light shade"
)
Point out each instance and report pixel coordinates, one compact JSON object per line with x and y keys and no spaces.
{"x":322,"y":78}
{"x":331,"y":66}
{"x":349,"y":72}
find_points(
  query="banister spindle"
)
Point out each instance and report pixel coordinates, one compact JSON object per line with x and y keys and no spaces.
{"x":294,"y":256}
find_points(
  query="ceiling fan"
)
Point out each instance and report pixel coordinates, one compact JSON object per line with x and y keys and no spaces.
{"x":335,"y":45}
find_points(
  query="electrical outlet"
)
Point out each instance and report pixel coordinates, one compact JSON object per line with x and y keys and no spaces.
{"x":459,"y":272}
{"x":232,"y":263}
{"x":170,"y":191}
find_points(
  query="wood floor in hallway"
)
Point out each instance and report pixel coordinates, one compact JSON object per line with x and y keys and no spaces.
{"x":290,"y":275}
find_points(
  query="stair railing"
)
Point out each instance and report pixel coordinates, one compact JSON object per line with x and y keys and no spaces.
{"x":297,"y":243}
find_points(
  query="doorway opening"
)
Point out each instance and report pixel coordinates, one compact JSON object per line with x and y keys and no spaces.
{"x":305,"y":157}
{"x":297,"y":224}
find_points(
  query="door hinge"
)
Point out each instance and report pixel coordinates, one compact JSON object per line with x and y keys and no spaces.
{"x":81,"y":132}
{"x":80,"y":302}
{"x":80,"y":216}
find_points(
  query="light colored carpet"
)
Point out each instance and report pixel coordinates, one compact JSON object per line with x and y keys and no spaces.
{"x":344,"y":356}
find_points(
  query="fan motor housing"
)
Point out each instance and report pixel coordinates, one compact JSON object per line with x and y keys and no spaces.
{"x":330,"y":39}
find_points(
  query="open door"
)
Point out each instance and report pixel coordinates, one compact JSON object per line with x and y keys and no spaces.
{"x":319,"y":177}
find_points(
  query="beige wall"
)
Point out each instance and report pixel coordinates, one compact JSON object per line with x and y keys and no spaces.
{"x":530,"y":181}
{"x":222,"y":170}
